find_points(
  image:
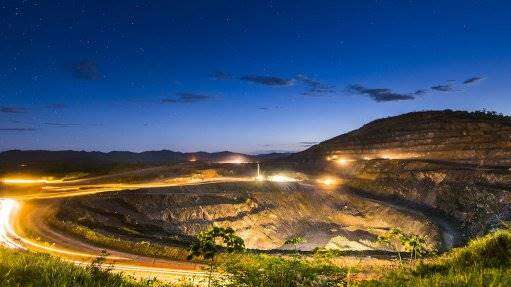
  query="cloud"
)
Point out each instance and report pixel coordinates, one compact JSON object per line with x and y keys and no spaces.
{"x":267,"y":80}
{"x":17,"y":129}
{"x":443,"y":88}
{"x":308,"y":143}
{"x":420,"y":92}
{"x":13,"y":110}
{"x":378,"y":94}
{"x":314,"y":87}
{"x":219,"y":75}
{"x":186,"y":97}
{"x":263,"y":108}
{"x":56,"y":106}
{"x":61,"y":125}
{"x":473,"y":80}
{"x":86,"y":70}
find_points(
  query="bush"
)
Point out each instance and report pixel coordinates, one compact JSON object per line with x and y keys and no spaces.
{"x":265,"y":270}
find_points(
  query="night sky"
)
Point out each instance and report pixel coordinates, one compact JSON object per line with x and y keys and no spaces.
{"x":246,"y":76}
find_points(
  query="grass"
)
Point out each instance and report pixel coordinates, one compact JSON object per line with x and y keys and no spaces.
{"x":485,"y":261}
{"x":267,"y":270}
{"x":19,"y":268}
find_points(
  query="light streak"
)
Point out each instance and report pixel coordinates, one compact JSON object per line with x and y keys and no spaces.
{"x":8,"y":208}
{"x":29,"y":181}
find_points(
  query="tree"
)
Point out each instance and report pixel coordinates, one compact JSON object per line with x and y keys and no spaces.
{"x":413,"y":243}
{"x":391,"y":239}
{"x":209,"y":243}
{"x":295,"y":241}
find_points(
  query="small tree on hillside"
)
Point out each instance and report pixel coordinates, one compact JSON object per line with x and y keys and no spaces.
{"x":209,"y":243}
{"x":413,"y":243}
{"x":391,"y":239}
{"x":295,"y":241}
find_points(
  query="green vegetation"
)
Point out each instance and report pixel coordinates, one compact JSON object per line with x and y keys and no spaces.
{"x":28,"y":269}
{"x":267,"y":270}
{"x":209,"y":243}
{"x":399,"y":240}
{"x":295,"y":241}
{"x":486,"y":261}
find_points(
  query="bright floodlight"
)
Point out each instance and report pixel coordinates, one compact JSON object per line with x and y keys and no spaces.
{"x":235,"y":160}
{"x":328,"y":181}
{"x":281,"y":178}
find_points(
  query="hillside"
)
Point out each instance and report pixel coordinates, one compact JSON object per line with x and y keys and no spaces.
{"x":458,"y":136}
{"x":455,"y":163}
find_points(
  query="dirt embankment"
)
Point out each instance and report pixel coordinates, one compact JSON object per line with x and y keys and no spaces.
{"x":264,"y":214}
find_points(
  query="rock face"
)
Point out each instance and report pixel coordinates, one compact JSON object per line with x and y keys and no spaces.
{"x":454,"y":162}
{"x":462,"y":137}
{"x":264,"y":214}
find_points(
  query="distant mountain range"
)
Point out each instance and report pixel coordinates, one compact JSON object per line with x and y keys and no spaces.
{"x":16,"y":159}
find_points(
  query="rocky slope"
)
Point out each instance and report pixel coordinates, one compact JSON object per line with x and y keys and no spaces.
{"x":264,"y":214}
{"x":476,"y":138}
{"x":454,"y":162}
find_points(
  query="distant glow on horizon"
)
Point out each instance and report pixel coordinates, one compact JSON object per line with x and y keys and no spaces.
{"x":236,"y":160}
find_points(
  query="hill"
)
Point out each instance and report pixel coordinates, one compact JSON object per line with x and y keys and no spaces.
{"x":454,"y":162}
{"x":481,"y":138}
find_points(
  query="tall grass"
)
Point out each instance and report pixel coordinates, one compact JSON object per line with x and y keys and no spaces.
{"x":20,"y":269}
{"x":485,"y":261}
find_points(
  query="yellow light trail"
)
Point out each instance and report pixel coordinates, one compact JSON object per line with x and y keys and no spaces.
{"x":10,"y":209}
{"x":26,"y":181}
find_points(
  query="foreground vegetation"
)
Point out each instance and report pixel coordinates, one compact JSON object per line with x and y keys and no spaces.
{"x":28,"y":269}
{"x":486,"y":261}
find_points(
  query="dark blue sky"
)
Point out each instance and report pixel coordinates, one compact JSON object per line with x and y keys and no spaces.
{"x":249,"y":76}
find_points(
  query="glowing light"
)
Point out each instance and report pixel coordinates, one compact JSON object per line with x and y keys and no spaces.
{"x":328,"y":181}
{"x":393,"y":155}
{"x":281,"y":178}
{"x":192,"y":159}
{"x":235,"y":160}
{"x":7,"y":209}
{"x":343,"y":161}
{"x":28,"y":181}
{"x":331,"y":157}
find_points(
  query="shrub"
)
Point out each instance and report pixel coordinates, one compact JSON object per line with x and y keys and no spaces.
{"x":266,"y":270}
